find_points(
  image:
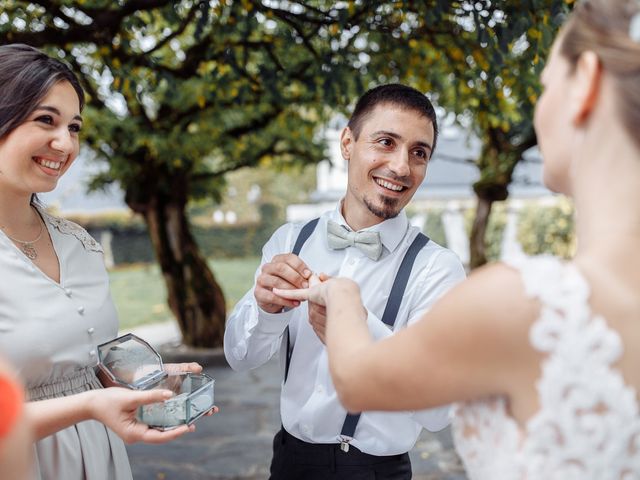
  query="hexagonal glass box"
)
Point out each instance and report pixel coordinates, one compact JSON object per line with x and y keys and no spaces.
{"x":133,"y":363}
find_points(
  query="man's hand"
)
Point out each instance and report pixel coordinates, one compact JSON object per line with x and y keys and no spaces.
{"x":286,"y":272}
{"x":318,"y":319}
{"x":317,"y":312}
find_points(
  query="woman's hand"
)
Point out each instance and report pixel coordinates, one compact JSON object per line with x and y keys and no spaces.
{"x":319,"y":291}
{"x":316,"y":292}
{"x":116,"y":407}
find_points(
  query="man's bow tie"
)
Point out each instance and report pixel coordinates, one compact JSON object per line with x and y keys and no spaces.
{"x":340,"y":237}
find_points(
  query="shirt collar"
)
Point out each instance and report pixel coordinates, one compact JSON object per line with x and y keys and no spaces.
{"x":392,"y":231}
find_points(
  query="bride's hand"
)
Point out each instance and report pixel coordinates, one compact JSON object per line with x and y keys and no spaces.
{"x":319,"y":290}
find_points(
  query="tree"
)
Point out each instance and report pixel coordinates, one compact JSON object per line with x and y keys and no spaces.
{"x":179,"y":93}
{"x":482,"y":61}
{"x":182,"y":92}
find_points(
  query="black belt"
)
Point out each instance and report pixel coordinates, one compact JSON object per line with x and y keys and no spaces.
{"x":322,"y":454}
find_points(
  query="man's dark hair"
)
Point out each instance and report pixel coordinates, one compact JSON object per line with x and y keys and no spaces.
{"x":396,"y":95}
{"x":26,"y":76}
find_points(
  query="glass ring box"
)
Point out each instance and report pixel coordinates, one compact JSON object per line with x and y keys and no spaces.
{"x":131,"y":362}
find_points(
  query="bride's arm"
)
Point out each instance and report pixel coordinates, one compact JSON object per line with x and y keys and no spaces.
{"x":472,"y":343}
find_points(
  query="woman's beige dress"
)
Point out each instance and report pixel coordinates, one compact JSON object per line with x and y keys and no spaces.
{"x":50,"y":332}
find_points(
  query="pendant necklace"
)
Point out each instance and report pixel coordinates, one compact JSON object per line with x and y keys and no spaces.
{"x":28,"y":248}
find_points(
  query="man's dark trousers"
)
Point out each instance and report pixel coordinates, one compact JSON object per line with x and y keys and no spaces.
{"x":294,"y":459}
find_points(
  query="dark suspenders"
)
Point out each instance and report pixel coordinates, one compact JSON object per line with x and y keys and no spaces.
{"x":304,"y":234}
{"x":389,"y":317}
{"x":390,"y":310}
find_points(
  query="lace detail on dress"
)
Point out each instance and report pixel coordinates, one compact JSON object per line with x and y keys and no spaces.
{"x":70,"y":228}
{"x":588,"y":425}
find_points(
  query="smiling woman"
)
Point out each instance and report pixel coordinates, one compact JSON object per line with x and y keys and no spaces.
{"x":55,"y":305}
{"x":49,"y":138}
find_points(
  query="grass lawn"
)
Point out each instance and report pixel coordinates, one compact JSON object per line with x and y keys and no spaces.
{"x":140,"y":294}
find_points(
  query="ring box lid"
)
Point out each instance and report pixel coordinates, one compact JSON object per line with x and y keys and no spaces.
{"x":130,"y":361}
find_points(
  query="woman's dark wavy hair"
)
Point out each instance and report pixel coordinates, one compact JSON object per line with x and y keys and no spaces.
{"x":26,"y":76}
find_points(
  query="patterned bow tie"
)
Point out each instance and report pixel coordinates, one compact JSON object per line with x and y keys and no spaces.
{"x":340,"y":237}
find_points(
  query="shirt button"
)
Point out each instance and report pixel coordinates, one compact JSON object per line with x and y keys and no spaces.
{"x":319,"y":389}
{"x":67,"y":292}
{"x":91,"y":330}
{"x":352,"y":261}
{"x":92,"y":353}
{"x":81,"y":310}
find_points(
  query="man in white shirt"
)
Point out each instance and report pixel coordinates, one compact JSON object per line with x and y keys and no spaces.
{"x":387,"y":144}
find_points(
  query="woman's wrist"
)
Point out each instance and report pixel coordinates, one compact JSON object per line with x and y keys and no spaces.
{"x":344,"y":286}
{"x":88,"y":405}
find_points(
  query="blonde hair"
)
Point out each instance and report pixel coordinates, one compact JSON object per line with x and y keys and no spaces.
{"x":602,"y":26}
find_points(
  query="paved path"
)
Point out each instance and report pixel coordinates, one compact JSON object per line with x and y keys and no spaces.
{"x":236,"y":443}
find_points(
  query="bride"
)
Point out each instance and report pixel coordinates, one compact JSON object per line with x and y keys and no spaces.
{"x":539,"y":355}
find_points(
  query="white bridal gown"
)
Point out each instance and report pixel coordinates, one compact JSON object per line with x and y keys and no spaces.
{"x":588,"y":425}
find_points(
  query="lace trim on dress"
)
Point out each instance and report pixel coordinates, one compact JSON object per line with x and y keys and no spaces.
{"x":588,"y":425}
{"x":69,"y":228}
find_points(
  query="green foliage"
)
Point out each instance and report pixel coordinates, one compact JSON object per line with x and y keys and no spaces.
{"x":548,"y":229}
{"x":480,"y":60}
{"x":131,"y":243}
{"x":495,"y":229}
{"x":434,"y":228}
{"x":182,"y":92}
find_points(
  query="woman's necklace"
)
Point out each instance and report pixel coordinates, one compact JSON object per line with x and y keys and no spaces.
{"x":28,"y":248}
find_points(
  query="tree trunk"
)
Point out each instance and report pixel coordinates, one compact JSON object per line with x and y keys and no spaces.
{"x":477,"y":244}
{"x":194,"y":296}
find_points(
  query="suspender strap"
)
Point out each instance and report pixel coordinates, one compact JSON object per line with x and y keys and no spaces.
{"x":389,"y":315}
{"x":402,"y":277}
{"x":303,"y":236}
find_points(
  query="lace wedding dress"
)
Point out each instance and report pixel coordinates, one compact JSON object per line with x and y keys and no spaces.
{"x":588,"y":425}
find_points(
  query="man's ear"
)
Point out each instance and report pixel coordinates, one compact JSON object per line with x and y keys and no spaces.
{"x":585,"y":86}
{"x":346,"y":143}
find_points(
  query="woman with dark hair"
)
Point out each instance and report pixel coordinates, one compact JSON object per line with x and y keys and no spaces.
{"x":541,"y":354}
{"x":55,"y":305}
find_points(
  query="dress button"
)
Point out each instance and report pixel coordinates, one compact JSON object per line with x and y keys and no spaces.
{"x":67,"y":292}
{"x":91,"y":330}
{"x":81,"y":310}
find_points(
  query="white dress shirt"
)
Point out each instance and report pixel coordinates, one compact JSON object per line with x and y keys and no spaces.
{"x":309,"y":405}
